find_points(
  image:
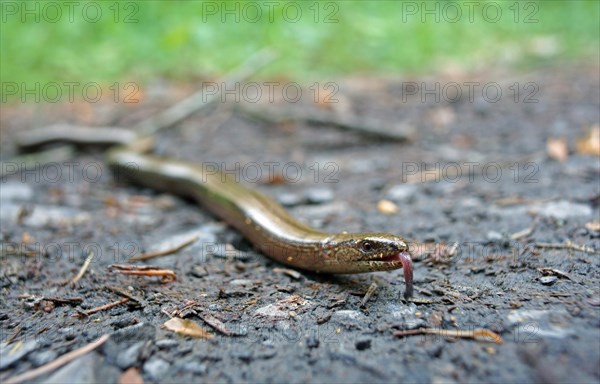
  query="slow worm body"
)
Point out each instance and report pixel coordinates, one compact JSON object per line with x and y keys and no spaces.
{"x":260,"y":219}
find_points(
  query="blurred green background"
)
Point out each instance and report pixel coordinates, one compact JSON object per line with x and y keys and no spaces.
{"x":109,"y":41}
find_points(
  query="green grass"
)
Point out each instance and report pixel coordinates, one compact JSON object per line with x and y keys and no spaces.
{"x":181,"y":42}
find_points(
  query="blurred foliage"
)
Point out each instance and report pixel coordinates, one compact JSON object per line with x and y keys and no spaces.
{"x":182,"y":40}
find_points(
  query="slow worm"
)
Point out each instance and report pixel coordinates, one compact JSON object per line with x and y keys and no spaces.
{"x":260,"y":219}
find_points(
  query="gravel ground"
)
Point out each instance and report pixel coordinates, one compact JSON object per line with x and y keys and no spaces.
{"x":480,"y":191}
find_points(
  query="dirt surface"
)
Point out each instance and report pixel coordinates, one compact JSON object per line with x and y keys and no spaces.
{"x":511,"y":197}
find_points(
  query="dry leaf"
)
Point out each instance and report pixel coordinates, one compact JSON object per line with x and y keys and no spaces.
{"x":590,"y":143}
{"x":387,"y":207}
{"x":131,"y":376}
{"x":593,"y":226}
{"x":187,"y":328}
{"x":557,"y":149}
{"x":27,"y":238}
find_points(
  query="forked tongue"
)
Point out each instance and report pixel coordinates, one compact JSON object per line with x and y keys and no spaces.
{"x":407,"y":267}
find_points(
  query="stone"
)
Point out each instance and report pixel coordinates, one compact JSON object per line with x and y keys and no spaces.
{"x":361,"y":345}
{"x":562,"y":210}
{"x":10,"y":354}
{"x":402,"y":192}
{"x":548,"y":280}
{"x":156,"y":368}
{"x":319,"y":195}
{"x":130,"y":356}
{"x":81,"y":370}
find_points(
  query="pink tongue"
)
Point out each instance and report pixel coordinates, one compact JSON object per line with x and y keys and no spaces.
{"x":407,"y":267}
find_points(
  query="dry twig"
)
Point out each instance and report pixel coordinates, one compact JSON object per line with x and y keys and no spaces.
{"x":121,"y":292}
{"x":553,"y":271}
{"x":476,"y":334}
{"x":523,"y":233}
{"x":215,"y":323}
{"x":150,"y":270}
{"x":143,"y":130}
{"x":370,"y":292}
{"x":201,"y":99}
{"x":100,"y":308}
{"x":84,"y":268}
{"x":64,"y":359}
{"x":361,"y":124}
{"x":166,"y":252}
{"x":567,"y":245}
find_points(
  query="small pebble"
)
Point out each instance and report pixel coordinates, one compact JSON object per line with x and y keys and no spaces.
{"x":156,"y":368}
{"x":265,"y":354}
{"x":562,"y":210}
{"x":402,"y":192}
{"x":548,"y":280}
{"x":69,"y":333}
{"x":194,"y":367}
{"x":199,"y":271}
{"x":349,"y":314}
{"x":361,"y":345}
{"x":244,"y":355}
{"x":272,"y":311}
{"x":289,"y":199}
{"x":313,"y":341}
{"x":494,"y":236}
{"x":594,"y":301}
{"x":9,"y":356}
{"x":82,"y":370}
{"x":167,"y":343}
{"x":134,"y":333}
{"x":415,"y":323}
{"x":387,"y":207}
{"x":14,"y":190}
{"x":130,"y":356}
{"x":319,"y":195}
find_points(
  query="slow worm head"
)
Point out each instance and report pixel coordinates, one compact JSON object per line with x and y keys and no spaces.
{"x":368,"y":252}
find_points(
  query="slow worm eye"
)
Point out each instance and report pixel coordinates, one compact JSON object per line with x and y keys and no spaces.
{"x":367,"y":247}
